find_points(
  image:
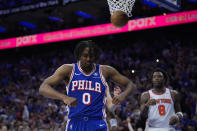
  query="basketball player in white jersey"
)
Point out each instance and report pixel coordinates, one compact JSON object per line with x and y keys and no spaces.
{"x":160,"y":106}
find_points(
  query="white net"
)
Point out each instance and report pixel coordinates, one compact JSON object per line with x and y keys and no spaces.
{"x":123,"y":5}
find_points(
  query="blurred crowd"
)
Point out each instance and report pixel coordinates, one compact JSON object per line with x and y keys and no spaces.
{"x":6,"y":4}
{"x":23,"y":109}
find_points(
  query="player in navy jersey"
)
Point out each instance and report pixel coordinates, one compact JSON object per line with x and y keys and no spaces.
{"x":86,"y":88}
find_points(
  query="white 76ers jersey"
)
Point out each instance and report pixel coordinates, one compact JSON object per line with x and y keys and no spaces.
{"x":160,"y":114}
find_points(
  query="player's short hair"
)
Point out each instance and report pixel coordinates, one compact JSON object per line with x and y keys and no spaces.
{"x":165,"y":74}
{"x":94,"y":49}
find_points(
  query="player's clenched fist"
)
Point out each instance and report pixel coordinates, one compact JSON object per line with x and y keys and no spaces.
{"x":151,"y":102}
{"x":118,"y":99}
{"x":173,"y":120}
{"x":71,"y":101}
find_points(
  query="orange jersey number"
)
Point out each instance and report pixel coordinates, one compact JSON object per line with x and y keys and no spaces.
{"x":162,"y":111}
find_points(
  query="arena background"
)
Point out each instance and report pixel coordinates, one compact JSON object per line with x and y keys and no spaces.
{"x":22,"y":69}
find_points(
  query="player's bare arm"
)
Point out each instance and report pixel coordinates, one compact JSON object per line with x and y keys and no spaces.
{"x":46,"y":88}
{"x":143,"y":106}
{"x":111,"y":108}
{"x":111,"y":73}
{"x":176,"y":98}
{"x":109,"y":104}
{"x":145,"y":102}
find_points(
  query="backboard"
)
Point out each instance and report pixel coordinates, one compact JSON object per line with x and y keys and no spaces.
{"x":172,"y":5}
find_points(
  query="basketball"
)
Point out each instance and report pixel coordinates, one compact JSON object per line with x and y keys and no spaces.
{"x":119,"y":18}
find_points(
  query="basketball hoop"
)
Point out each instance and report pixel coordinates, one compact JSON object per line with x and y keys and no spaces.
{"x":123,"y":5}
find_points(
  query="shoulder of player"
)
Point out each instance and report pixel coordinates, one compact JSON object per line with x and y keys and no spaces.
{"x":107,"y":71}
{"x":65,"y":68}
{"x":107,"y":68}
{"x":144,"y":96}
{"x":174,"y":94}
